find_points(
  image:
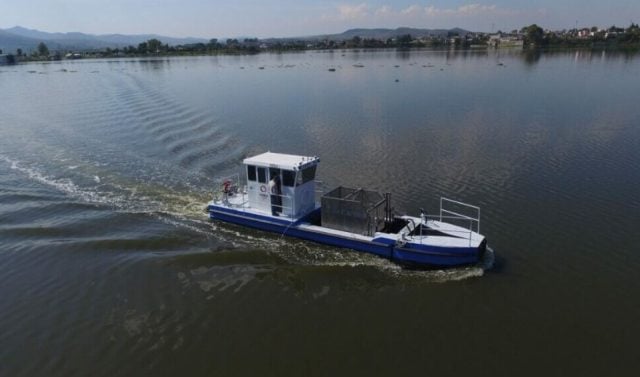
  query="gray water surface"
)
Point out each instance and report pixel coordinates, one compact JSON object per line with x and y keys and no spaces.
{"x":108,"y":266}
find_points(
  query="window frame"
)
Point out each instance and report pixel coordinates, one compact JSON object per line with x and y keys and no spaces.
{"x":262,"y":174}
{"x":251,"y":168}
{"x":304,"y":178}
{"x":288,"y":176}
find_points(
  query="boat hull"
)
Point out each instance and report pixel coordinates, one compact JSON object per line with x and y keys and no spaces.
{"x":407,"y":254}
{"x":439,"y":256}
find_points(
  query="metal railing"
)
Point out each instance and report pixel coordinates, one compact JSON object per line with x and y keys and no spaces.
{"x":319,"y":191}
{"x":282,"y":207}
{"x":473,"y":218}
{"x":230,"y":185}
{"x":452,"y":213}
{"x":374,"y":218}
{"x":237,"y":187}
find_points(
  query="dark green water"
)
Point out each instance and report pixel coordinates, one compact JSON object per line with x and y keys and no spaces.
{"x":109,"y":267}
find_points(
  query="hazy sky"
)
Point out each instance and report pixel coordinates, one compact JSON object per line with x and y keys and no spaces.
{"x":279,"y":18}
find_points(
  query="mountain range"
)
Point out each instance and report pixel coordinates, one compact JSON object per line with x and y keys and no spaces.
{"x":384,"y":34}
{"x":28,"y":39}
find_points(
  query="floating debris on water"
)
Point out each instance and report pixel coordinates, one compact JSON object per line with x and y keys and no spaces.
{"x":359,"y":65}
{"x":260,"y":67}
{"x":332,"y":69}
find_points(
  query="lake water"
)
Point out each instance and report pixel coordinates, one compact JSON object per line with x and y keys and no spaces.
{"x":108,"y":265}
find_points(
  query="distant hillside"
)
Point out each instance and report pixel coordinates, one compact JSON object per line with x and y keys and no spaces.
{"x":384,"y":34}
{"x":392,"y":33}
{"x":27,"y":39}
{"x":9,"y":43}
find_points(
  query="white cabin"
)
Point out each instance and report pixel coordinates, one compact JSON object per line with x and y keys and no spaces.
{"x":281,"y":184}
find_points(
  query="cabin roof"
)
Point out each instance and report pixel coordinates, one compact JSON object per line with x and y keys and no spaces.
{"x":282,"y":161}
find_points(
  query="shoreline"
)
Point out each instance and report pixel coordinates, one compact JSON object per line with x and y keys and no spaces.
{"x":627,"y":48}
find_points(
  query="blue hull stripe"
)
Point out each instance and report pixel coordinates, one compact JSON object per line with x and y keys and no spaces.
{"x":248,"y":215}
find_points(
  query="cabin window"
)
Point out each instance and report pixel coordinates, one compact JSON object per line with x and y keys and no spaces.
{"x":288,"y":178}
{"x":306,"y":175}
{"x":262,"y":175}
{"x":251,"y":173}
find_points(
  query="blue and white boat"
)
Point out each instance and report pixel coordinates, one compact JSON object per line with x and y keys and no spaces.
{"x":278,"y":194}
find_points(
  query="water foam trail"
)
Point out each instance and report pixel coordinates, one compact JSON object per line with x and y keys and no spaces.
{"x":120,"y":197}
{"x":178,"y":209}
{"x":63,"y":185}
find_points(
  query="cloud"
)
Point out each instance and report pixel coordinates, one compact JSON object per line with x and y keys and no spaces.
{"x":383,"y":11}
{"x":364,"y":11}
{"x":470,"y":10}
{"x":353,"y":12}
{"x":473,"y":15}
{"x":413,"y":10}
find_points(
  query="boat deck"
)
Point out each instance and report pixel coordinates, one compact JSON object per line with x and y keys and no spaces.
{"x":434,"y":232}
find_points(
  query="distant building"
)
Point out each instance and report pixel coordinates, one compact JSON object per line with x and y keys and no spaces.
{"x":7,"y":59}
{"x":611,"y":34}
{"x":585,"y":33}
{"x":505,"y":41}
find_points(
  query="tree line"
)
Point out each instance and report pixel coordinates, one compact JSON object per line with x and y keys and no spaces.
{"x":535,"y":36}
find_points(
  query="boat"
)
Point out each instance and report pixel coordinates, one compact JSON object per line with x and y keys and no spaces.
{"x":278,"y":193}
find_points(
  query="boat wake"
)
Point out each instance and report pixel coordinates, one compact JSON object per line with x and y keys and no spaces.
{"x":170,"y":206}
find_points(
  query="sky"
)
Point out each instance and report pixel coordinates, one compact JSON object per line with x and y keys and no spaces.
{"x":289,"y":18}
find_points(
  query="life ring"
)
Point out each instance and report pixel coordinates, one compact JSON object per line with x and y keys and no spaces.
{"x":263,"y":188}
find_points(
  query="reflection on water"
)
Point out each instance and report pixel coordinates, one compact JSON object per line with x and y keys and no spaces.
{"x":105,"y":167}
